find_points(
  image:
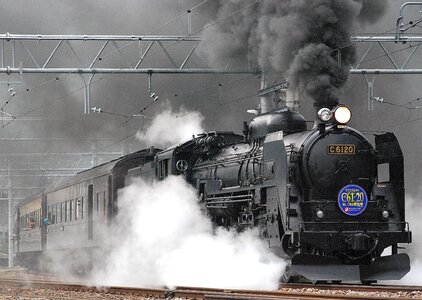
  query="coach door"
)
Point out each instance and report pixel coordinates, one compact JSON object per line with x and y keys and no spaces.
{"x":90,"y":211}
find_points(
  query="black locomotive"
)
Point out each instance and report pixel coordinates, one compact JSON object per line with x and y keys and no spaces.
{"x":324,"y":198}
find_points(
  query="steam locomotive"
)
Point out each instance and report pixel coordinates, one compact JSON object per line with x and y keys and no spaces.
{"x":324,"y":198}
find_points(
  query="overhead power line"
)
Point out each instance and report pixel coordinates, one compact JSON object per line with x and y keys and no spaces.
{"x":162,"y":49}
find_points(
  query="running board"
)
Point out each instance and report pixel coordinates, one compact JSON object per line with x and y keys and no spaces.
{"x":316,"y":267}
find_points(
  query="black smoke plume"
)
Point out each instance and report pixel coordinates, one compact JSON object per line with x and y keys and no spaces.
{"x":298,"y":39}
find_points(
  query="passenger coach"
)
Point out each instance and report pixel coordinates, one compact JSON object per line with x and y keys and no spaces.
{"x":72,"y":214}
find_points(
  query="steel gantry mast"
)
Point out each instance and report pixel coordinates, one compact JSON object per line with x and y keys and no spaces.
{"x":379,"y":42}
{"x":85,"y":55}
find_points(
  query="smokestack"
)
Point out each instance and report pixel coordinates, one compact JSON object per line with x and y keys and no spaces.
{"x":292,"y":97}
{"x":266,"y":102}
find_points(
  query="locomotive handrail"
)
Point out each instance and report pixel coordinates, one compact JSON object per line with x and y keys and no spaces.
{"x":237,"y":188}
{"x":228,"y":201}
{"x":232,"y":197}
{"x":226,"y":161}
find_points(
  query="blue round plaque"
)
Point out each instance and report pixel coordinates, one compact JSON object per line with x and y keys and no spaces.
{"x":352,"y":200}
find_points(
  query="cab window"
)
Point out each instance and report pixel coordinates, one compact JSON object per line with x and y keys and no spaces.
{"x":163,"y":168}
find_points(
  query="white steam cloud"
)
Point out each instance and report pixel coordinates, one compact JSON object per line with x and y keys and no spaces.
{"x":414,"y":249}
{"x":169,"y":128}
{"x":164,"y":239}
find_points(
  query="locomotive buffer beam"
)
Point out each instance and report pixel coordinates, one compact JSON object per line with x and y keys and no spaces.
{"x":316,"y":267}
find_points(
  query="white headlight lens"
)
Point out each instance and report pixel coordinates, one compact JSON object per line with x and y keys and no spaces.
{"x":385,"y":214}
{"x":320,"y":214}
{"x":324,"y":114}
{"x":342,"y":114}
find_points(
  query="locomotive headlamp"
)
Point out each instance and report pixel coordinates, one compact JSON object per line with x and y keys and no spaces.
{"x":342,"y":114}
{"x":324,"y":114}
{"x":385,"y":214}
{"x":319,"y":214}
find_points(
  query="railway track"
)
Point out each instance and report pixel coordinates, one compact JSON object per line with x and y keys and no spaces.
{"x":286,"y":291}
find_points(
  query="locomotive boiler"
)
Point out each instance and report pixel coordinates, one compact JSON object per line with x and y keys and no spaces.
{"x":325,"y":198}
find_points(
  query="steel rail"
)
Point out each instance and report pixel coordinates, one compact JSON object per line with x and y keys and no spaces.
{"x":355,"y":287}
{"x":287,"y":291}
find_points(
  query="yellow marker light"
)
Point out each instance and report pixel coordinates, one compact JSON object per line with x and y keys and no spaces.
{"x":342,"y":114}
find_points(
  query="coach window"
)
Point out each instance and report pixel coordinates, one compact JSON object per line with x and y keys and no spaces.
{"x":53,"y":214}
{"x":70,"y":210}
{"x":82,"y":207}
{"x":75,"y":209}
{"x":79,"y":204}
{"x":100,"y":203}
{"x":49,"y":215}
{"x":61,"y":212}
{"x":104,"y":204}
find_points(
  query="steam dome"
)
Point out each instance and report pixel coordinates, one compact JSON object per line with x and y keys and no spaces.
{"x":281,"y":119}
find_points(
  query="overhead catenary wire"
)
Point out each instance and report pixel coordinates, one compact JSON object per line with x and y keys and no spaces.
{"x":60,"y":98}
{"x":411,"y":23}
{"x":409,"y":107}
{"x":189,"y":10}
{"x":207,"y":26}
{"x":161,"y":49}
{"x":391,"y":52}
{"x":159,"y":27}
{"x":182,"y":97}
{"x":180,"y":116}
{"x":133,"y":134}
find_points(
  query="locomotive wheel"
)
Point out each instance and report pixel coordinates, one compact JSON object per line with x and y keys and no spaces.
{"x":285,"y":242}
